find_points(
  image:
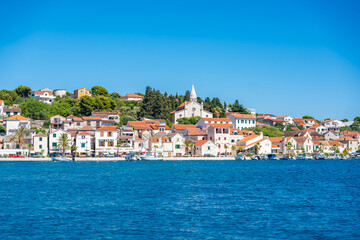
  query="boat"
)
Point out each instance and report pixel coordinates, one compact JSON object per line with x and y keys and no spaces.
{"x":63,"y":159}
{"x":319,"y":156}
{"x":286,"y":158}
{"x":303,"y":156}
{"x":240,"y":157}
{"x":132,"y":156}
{"x":151,"y":157}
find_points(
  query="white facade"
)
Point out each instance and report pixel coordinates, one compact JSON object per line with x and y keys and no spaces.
{"x":85,"y":143}
{"x":14,"y":122}
{"x":2,"y":106}
{"x":242,"y":121}
{"x":60,"y":92}
{"x":190,"y":109}
{"x":41,"y":144}
{"x":44,"y":96}
{"x":333,"y":125}
{"x":106,"y":140}
{"x":206,"y":147}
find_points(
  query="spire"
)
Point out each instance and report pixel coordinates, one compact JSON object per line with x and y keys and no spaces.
{"x":193,"y":96}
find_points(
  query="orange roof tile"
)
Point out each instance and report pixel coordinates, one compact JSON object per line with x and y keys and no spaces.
{"x":87,"y":128}
{"x":248,"y":138}
{"x":183,"y":126}
{"x":247,"y":116}
{"x":1,"y":102}
{"x":200,"y":143}
{"x":346,"y":139}
{"x":219,"y":125}
{"x":275,"y":139}
{"x":132,"y":95}
{"x":107,"y":128}
{"x":84,"y":133}
{"x":42,"y":92}
{"x":16,"y":118}
{"x":217,"y":119}
{"x":92,"y":118}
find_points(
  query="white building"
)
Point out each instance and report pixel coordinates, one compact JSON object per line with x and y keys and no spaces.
{"x":206,"y":147}
{"x":85,"y":143}
{"x":54,"y":142}
{"x":286,"y":119}
{"x":14,"y":122}
{"x":44,"y":96}
{"x":106,"y":140}
{"x":241,"y":121}
{"x":107,"y":116}
{"x":190,"y":109}
{"x":40,"y":144}
{"x":333,"y":125}
{"x":132,"y":97}
{"x":59,"y":92}
{"x":204,"y":123}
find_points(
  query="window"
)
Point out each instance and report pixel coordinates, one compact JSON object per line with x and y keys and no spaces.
{"x":232,"y":140}
{"x":83,"y":137}
{"x":177,"y":146}
{"x":40,"y":139}
{"x":225,"y":130}
{"x":111,"y":143}
{"x":209,"y":148}
{"x":54,"y":144}
{"x":101,"y":134}
{"x":40,"y":146}
{"x":109,"y":134}
{"x":224,"y":138}
{"x":83,"y":145}
{"x":102,"y":144}
{"x":54,"y":135}
{"x":245,"y":121}
{"x":242,"y":120}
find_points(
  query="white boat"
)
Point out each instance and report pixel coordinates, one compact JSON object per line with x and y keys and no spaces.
{"x":240,"y":157}
{"x":150,"y":157}
{"x":132,"y":156}
{"x":62,"y":159}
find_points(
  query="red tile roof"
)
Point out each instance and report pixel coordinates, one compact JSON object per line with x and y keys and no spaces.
{"x":183,"y":126}
{"x":132,"y":95}
{"x":107,"y":128}
{"x":248,"y":138}
{"x":217,"y":119}
{"x":84,"y":133}
{"x":218,"y":125}
{"x":92,"y":118}
{"x":247,"y":116}
{"x":16,"y":118}
{"x":42,"y":92}
{"x":200,"y":143}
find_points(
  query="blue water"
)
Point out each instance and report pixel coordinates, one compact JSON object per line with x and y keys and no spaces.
{"x":180,"y":200}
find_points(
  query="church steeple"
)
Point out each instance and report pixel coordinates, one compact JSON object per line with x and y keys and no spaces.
{"x":193,"y":96}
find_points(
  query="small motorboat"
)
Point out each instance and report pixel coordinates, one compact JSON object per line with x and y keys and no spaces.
{"x":150,"y":157}
{"x":63,"y":159}
{"x":240,"y":157}
{"x":319,"y":156}
{"x":132,"y":156}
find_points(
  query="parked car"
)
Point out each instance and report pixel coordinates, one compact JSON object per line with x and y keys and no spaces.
{"x":209,"y":155}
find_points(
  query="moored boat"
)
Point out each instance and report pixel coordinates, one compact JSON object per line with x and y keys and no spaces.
{"x":151,"y":157}
{"x":63,"y":159}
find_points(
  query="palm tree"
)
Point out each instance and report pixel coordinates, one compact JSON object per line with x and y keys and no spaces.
{"x":30,"y":146}
{"x":73,"y":149}
{"x":226,"y":148}
{"x":257,"y":148}
{"x":156,"y":147}
{"x":233,"y":148}
{"x":288,"y":146}
{"x":188,"y":145}
{"x":117,"y":149}
{"x":217,"y":111}
{"x":63,"y":142}
{"x":321,"y":147}
{"x":19,"y":136}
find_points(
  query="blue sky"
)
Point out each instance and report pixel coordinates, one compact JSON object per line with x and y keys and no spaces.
{"x":281,"y":57}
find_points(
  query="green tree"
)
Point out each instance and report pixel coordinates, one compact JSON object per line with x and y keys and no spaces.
{"x":307,"y":117}
{"x":189,"y":121}
{"x":115,"y":95}
{"x":188,"y":146}
{"x":23,"y":91}
{"x":35,"y":109}
{"x":30,"y":146}
{"x":237,"y":107}
{"x":124,"y":119}
{"x":63,"y":142}
{"x":8,"y":96}
{"x":86,"y":105}
{"x":19,"y":136}
{"x":99,"y":91}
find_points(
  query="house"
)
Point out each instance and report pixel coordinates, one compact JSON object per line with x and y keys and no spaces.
{"x":59,"y":92}
{"x":85,"y":143}
{"x":56,"y":122}
{"x":106,"y":139}
{"x":236,"y":135}
{"x":351,"y":134}
{"x":8,"y":112}
{"x":14,"y":122}
{"x":95,"y":122}
{"x":220,"y":135}
{"x":205,"y":147}
{"x":170,"y":145}
{"x":277,"y":143}
{"x":195,"y":134}
{"x":190,"y":108}
{"x":40,"y":142}
{"x":54,"y":142}
{"x":350,"y":143}
{"x":44,"y":96}
{"x":181,"y":128}
{"x":241,"y":121}
{"x":204,"y":123}
{"x":132,"y":97}
{"x":331,"y":135}
{"x":256,"y":144}
{"x":303,"y":144}
{"x":333,"y":125}
{"x":286,"y":119}
{"x":79,"y":93}
{"x":320,"y":129}
{"x":111,"y":116}
{"x":288,"y":145}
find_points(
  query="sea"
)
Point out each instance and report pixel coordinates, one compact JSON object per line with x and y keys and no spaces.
{"x":271,"y":199}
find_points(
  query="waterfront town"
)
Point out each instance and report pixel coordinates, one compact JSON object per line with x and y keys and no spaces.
{"x":192,"y":129}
